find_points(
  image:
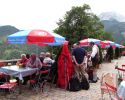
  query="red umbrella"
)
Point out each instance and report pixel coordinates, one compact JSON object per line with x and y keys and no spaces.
{"x":34,"y":37}
{"x":85,"y":42}
{"x":65,"y":67}
{"x":107,"y":43}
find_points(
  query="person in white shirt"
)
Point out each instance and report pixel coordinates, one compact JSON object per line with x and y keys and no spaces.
{"x":94,"y":57}
{"x":47,"y":59}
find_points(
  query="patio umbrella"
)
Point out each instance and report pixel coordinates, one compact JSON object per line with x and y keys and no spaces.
{"x":34,"y":37}
{"x":119,"y":46}
{"x":86,"y":42}
{"x":53,"y":44}
{"x":107,"y":43}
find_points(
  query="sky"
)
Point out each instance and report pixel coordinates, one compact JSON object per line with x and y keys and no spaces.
{"x":43,"y":14}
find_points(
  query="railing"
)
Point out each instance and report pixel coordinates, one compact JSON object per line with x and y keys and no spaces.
{"x":5,"y":62}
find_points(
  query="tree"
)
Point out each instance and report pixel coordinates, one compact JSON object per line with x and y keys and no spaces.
{"x":106,"y":36}
{"x":79,"y":23}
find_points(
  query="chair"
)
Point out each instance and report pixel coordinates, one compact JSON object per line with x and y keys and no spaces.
{"x":9,"y":87}
{"x":121,"y":72}
{"x":110,"y":79}
{"x":39,"y":82}
{"x":112,"y":89}
{"x":123,"y":67}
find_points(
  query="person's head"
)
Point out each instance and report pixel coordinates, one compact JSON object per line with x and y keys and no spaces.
{"x":91,"y":44}
{"x":74,"y":45}
{"x":42,"y":54}
{"x":27,"y":56}
{"x":48,"y":54}
{"x":33,"y":56}
{"x":23,"y":56}
{"x":78,"y":44}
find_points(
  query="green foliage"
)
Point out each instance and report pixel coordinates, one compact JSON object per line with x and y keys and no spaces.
{"x":12,"y":54}
{"x":116,"y":28}
{"x":123,"y":43}
{"x":14,"y":51}
{"x":79,"y":23}
{"x":106,"y":36}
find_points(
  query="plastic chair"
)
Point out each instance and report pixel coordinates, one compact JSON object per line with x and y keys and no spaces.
{"x":112,"y":89}
{"x":9,"y":87}
{"x":110,"y":79}
{"x":121,"y":72}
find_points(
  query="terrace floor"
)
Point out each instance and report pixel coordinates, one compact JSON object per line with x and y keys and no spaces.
{"x":60,"y":94}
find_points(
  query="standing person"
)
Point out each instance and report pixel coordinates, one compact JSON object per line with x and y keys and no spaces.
{"x":109,"y":55}
{"x":94,"y":57}
{"x":79,"y":64}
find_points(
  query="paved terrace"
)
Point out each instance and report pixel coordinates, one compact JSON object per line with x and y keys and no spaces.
{"x":59,"y":94}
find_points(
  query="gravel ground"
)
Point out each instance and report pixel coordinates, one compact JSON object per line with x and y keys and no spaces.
{"x":60,"y":94}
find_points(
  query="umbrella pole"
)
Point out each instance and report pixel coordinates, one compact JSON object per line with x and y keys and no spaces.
{"x":37,"y":50}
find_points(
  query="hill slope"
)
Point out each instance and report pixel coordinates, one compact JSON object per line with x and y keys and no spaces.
{"x":114,"y":23}
{"x":7,"y":30}
{"x":116,"y":28}
{"x":14,"y":51}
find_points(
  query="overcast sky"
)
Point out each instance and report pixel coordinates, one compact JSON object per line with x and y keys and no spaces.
{"x":43,"y":14}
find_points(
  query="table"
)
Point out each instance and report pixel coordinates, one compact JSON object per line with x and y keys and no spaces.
{"x":121,"y":90}
{"x":18,"y":72}
{"x":15,"y":71}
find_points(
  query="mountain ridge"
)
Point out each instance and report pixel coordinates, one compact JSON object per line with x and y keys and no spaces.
{"x":112,"y":16}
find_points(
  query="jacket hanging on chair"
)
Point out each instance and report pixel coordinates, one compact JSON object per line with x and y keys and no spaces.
{"x":65,"y":67}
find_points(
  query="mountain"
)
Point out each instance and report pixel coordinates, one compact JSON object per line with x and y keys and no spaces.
{"x":7,"y":30}
{"x":12,"y":51}
{"x":114,"y":23}
{"x":116,"y":28}
{"x":112,"y":16}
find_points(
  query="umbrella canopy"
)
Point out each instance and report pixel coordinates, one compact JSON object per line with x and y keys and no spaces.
{"x":52,"y":44}
{"x":86,"y":42}
{"x":34,"y":37}
{"x":119,"y":46}
{"x":107,"y":43}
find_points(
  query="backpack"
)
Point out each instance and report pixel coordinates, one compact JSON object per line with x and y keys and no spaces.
{"x":74,"y":84}
{"x":85,"y":84}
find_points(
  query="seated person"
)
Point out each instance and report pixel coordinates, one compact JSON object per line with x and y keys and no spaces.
{"x":42,"y":56}
{"x":23,"y":61}
{"x":47,"y":60}
{"x":27,"y":56}
{"x":34,"y":62}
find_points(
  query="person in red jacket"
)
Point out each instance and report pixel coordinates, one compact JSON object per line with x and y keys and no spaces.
{"x":23,"y":61}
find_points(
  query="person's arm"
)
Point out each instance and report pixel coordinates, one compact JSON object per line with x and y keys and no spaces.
{"x":18,"y":62}
{"x":94,"y":52}
{"x":39,"y":63}
{"x":74,"y":59}
{"x":84,"y":61}
{"x":28,"y":64}
{"x":25,"y":62}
